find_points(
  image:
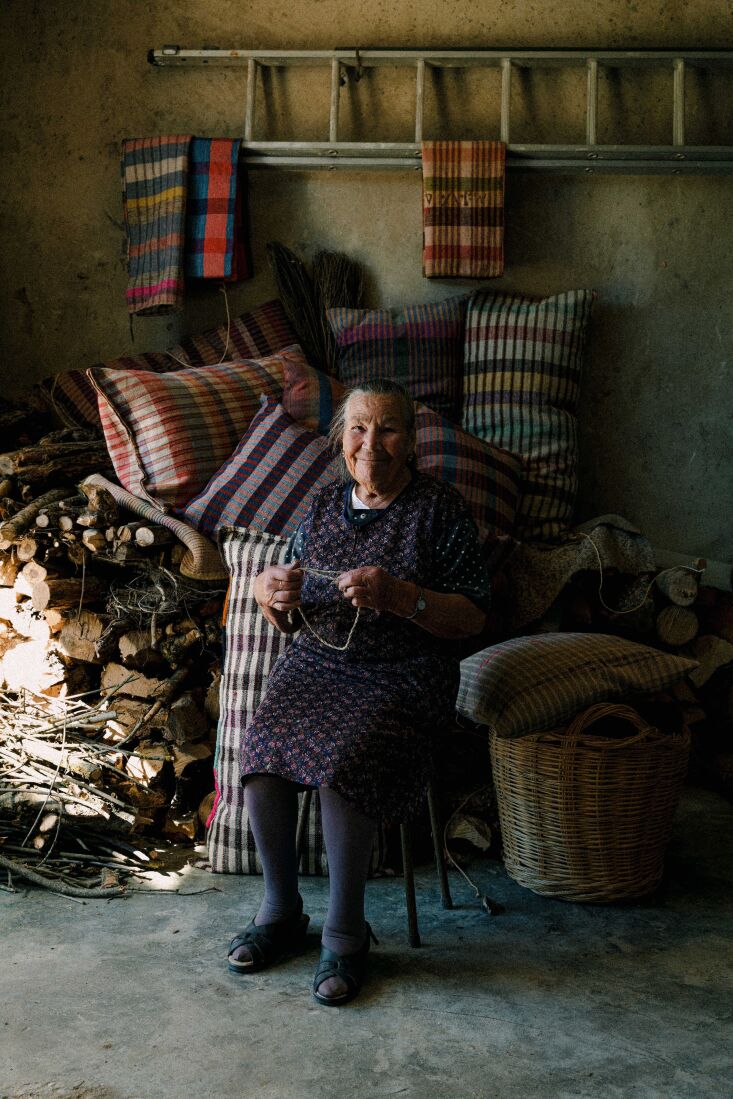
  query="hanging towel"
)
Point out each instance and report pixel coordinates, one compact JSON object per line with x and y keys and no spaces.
{"x":154,"y":175}
{"x":215,"y":230}
{"x":463,"y":208}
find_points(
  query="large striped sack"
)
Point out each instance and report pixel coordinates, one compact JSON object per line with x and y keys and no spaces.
{"x":521,"y":385}
{"x":420,"y":346}
{"x":251,"y":647}
{"x":154,"y":187}
{"x":533,"y":684}
{"x":463,"y":209}
{"x":262,"y":331}
{"x":269,"y":480}
{"x":167,"y":434}
{"x":487,"y":477}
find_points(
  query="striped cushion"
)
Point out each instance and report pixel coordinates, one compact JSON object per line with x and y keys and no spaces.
{"x":167,"y":434}
{"x":251,"y":647}
{"x":487,"y":477}
{"x":261,"y":332}
{"x":532,"y":684}
{"x":521,"y":385}
{"x":269,"y":480}
{"x":420,"y":346}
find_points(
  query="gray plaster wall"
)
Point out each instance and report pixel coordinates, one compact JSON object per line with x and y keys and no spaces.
{"x":655,"y":420}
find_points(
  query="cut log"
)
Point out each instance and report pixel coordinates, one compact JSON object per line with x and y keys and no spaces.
{"x":72,"y":761}
{"x":80,"y":634}
{"x":33,"y":572}
{"x":40,"y":463}
{"x":65,"y":593}
{"x":136,"y":649}
{"x":8,"y":569}
{"x":101,"y":503}
{"x":148,"y":536}
{"x":14,"y":529}
{"x":94,"y":540}
{"x":126,"y":531}
{"x":31,"y":666}
{"x":6,"y":487}
{"x":55,"y":619}
{"x":147,"y":762}
{"x":131,"y":683}
{"x":27,"y":623}
{"x":676,"y":625}
{"x":187,"y":722}
{"x":27,"y":548}
{"x":127,"y":713}
{"x":680,"y":584}
{"x":175,"y":649}
{"x":188,"y":756}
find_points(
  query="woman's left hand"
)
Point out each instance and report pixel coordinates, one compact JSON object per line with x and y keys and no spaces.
{"x":371,"y":587}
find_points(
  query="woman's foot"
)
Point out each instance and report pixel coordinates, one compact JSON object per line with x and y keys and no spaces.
{"x":339,"y":977}
{"x":261,"y":945}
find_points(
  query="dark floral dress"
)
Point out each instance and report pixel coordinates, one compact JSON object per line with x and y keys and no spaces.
{"x":360,"y":721}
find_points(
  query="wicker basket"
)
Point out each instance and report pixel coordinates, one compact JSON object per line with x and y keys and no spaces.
{"x":587,"y":817}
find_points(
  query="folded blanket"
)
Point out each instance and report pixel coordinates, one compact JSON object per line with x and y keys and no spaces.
{"x":216,"y":247}
{"x":154,"y":174}
{"x":463,"y":208}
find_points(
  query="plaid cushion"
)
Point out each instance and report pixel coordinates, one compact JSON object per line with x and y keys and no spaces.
{"x":167,"y":434}
{"x":532,"y":684}
{"x":420,"y":346}
{"x":261,"y":332}
{"x":521,"y":385}
{"x":269,"y":480}
{"x":487,"y":477}
{"x":251,"y":646}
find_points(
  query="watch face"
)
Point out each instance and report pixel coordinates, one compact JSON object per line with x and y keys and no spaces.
{"x":421,"y":604}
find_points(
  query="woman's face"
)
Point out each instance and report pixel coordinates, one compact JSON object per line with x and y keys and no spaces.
{"x":376,"y":443}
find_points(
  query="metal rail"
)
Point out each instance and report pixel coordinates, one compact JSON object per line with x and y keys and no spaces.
{"x":348,"y":64}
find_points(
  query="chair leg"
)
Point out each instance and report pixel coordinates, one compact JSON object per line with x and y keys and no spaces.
{"x":435,"y":828}
{"x":302,"y":823}
{"x":408,"y":871}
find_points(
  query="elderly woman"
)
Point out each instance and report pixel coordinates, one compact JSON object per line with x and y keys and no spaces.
{"x":385,"y":575}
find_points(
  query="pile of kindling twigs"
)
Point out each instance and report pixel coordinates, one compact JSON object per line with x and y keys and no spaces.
{"x":65,"y":798}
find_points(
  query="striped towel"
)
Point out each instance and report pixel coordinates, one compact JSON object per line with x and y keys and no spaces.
{"x":463,"y":208}
{"x":216,"y":247}
{"x":154,"y":173}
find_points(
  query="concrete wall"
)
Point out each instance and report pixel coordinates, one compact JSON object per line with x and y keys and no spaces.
{"x":656,"y":409}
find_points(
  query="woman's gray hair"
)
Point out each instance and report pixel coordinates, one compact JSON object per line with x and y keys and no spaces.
{"x":378,"y":387}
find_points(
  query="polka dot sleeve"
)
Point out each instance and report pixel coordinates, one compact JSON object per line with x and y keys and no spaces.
{"x":460,"y":565}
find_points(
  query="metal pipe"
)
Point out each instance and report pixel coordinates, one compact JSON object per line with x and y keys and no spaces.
{"x":249,"y":112}
{"x":591,"y":116}
{"x":678,"y":102}
{"x":333,"y":123}
{"x":419,"y":97}
{"x":506,"y":98}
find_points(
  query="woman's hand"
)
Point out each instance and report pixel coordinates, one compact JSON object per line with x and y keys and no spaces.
{"x":277,"y":591}
{"x":372,"y":587}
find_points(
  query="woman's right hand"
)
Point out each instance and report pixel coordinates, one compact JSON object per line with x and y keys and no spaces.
{"x":277,"y":591}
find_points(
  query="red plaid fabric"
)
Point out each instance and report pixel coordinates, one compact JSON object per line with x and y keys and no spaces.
{"x":269,"y":480}
{"x":521,"y":386}
{"x":420,"y":346}
{"x":168,"y":434}
{"x":463,"y":209}
{"x":261,"y":332}
{"x":488,"y":477}
{"x":216,"y":244}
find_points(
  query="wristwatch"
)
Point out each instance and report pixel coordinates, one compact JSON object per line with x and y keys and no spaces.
{"x":420,"y":605}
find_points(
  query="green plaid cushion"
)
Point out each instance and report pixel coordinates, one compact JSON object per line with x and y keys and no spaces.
{"x":420,"y":346}
{"x":532,"y":684}
{"x":521,"y":384}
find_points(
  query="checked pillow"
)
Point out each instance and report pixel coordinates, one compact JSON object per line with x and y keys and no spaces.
{"x":419,"y":346}
{"x":486,"y":476}
{"x":269,"y":480}
{"x":167,"y":434}
{"x":521,"y":385}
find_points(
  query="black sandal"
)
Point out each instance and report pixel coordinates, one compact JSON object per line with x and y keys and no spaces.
{"x":351,"y":968}
{"x":269,"y":943}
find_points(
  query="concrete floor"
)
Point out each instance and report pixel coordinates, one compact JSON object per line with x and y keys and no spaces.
{"x":130,"y":999}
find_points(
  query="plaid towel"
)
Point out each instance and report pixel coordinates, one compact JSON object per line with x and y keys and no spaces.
{"x":154,"y":171}
{"x":463,"y":208}
{"x":216,"y":247}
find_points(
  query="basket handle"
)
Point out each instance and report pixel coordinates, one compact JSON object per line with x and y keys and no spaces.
{"x":582,"y":721}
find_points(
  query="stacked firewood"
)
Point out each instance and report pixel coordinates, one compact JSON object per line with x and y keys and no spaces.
{"x":100,"y":631}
